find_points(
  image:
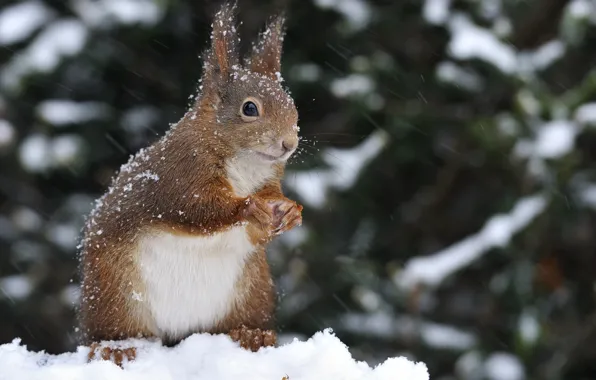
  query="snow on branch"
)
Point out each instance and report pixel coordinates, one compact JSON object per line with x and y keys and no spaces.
{"x":497,"y":232}
{"x":210,"y":357}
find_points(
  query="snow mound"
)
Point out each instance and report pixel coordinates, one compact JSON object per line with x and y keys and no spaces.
{"x":213,"y":357}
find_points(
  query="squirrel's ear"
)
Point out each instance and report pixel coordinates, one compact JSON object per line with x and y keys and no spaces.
{"x":266,"y":53}
{"x":223,"y":53}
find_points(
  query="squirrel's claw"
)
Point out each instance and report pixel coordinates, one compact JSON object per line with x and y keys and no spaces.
{"x":287,"y":216}
{"x":273,"y":216}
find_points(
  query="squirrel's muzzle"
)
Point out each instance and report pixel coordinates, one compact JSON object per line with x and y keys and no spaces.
{"x":289,"y":145}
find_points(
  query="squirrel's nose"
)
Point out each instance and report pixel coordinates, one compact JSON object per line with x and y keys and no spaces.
{"x":289,"y":145}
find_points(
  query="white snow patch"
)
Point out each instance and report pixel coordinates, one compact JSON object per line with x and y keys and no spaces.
{"x":507,"y":124}
{"x":63,"y":235}
{"x":546,"y":54}
{"x":587,"y":195}
{"x":555,"y":139}
{"x":311,"y":186}
{"x":294,"y":237}
{"x":497,"y":232}
{"x":348,"y":163}
{"x":581,"y":8}
{"x":104,"y":13}
{"x":34,"y":153}
{"x":138,"y":118}
{"x":586,"y":114}
{"x":374,"y":101}
{"x":529,"y":328}
{"x":146,"y":12}
{"x":15,"y":287}
{"x":18,"y":21}
{"x":383,"y":325}
{"x":542,"y":57}
{"x":552,"y":140}
{"x":39,"y":153}
{"x":66,"y":149}
{"x":360,"y":63}
{"x":7,"y":133}
{"x":490,"y":9}
{"x":307,"y":72}
{"x":354,"y":84}
{"x":378,"y":324}
{"x":528,"y":102}
{"x":289,"y":337}
{"x":203,"y":356}
{"x":64,"y":112}
{"x":470,"y":41}
{"x":26,"y":219}
{"x":503,"y":366}
{"x":62,"y":38}
{"x":356,"y":12}
{"x":436,"y":11}
{"x":367,"y":298}
{"x":449,"y":72}
{"x":502,"y":27}
{"x":345,"y":166}
{"x":70,"y":295}
{"x":469,"y":366}
{"x":446,"y":337}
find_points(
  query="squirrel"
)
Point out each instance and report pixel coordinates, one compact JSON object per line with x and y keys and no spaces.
{"x":177,"y":244}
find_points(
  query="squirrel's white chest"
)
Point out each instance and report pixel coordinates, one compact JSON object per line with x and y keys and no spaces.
{"x":190,"y":282}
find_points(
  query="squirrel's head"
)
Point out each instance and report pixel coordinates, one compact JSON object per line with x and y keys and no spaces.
{"x":244,"y":104}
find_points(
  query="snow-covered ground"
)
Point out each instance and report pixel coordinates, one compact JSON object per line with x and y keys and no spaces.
{"x":216,"y":357}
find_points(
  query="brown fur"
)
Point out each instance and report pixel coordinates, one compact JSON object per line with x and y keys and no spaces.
{"x":192,"y":195}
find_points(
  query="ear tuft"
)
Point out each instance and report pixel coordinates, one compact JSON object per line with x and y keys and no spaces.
{"x":266,"y":52}
{"x":223,"y":53}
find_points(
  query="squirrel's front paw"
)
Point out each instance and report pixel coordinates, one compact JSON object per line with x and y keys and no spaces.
{"x":287,"y":214}
{"x":258,"y":212}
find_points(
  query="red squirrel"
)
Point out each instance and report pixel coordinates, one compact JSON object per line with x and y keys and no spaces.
{"x":176,"y":246}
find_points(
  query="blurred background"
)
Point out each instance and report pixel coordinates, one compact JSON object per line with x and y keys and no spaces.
{"x":447,"y":168}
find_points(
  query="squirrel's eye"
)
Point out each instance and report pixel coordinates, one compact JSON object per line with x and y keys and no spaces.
{"x":250,"y":109}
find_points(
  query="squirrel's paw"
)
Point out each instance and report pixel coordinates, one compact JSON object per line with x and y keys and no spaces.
{"x":287,"y":214}
{"x":253,"y":339}
{"x":116,"y":355}
{"x":258,"y":212}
